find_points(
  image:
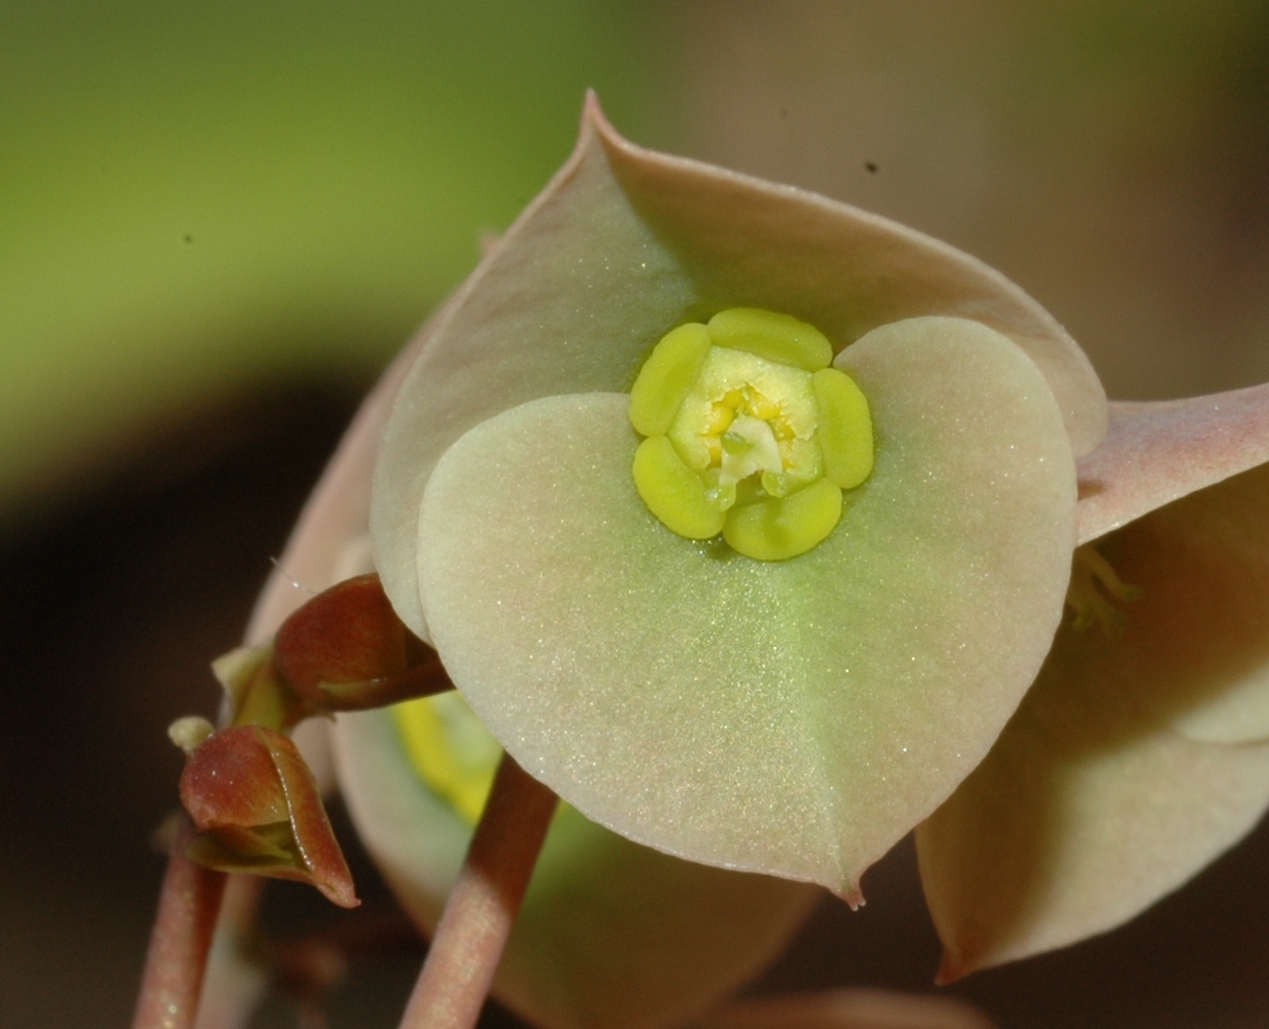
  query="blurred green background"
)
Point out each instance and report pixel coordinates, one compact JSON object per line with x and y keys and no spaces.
{"x":198,"y":196}
{"x":217,"y":222}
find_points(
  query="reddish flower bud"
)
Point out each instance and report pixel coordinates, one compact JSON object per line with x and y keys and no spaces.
{"x":258,"y":810}
{"x":346,"y":650}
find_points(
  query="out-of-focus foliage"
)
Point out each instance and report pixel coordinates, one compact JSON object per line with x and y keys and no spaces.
{"x":197,"y":194}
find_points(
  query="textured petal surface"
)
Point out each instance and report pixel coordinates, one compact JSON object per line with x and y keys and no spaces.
{"x":611,"y":934}
{"x":1091,"y":806}
{"x":794,"y":717}
{"x":1156,"y":452}
{"x":624,"y":245}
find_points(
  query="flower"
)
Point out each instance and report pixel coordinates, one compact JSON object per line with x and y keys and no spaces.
{"x":1138,"y":758}
{"x":794,"y":717}
{"x":610,"y":933}
{"x":689,"y":698}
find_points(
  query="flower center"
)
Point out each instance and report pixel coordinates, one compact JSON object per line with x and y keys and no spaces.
{"x":749,"y":433}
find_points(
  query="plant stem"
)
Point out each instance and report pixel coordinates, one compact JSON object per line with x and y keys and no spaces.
{"x":233,"y":984}
{"x":188,"y":905}
{"x":482,"y":907}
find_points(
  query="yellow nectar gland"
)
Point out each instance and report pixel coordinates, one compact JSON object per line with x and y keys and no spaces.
{"x":749,"y":433}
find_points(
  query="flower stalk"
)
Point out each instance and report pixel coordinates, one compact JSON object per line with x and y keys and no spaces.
{"x":483,"y":904}
{"x":180,"y":940}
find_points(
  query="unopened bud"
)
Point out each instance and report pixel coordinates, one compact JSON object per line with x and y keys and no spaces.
{"x":258,"y":810}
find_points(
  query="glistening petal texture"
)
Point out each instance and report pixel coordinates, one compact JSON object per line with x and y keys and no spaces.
{"x":626,"y":244}
{"x":1092,"y":804}
{"x":611,"y":936}
{"x":1159,"y":451}
{"x":792,"y":717}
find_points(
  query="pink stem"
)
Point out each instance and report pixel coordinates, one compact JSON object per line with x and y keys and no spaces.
{"x":174,"y":964}
{"x":482,"y":907}
{"x":233,"y":984}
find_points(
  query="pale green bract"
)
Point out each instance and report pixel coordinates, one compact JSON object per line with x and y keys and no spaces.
{"x":794,"y":717}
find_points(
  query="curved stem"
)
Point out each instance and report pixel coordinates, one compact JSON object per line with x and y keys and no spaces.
{"x":188,"y":905}
{"x":482,"y":907}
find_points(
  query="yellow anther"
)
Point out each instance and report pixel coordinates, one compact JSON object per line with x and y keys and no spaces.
{"x":720,"y":417}
{"x":760,"y":407}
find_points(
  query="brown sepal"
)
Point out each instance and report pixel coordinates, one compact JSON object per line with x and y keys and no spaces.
{"x":258,"y":811}
{"x":346,"y":650}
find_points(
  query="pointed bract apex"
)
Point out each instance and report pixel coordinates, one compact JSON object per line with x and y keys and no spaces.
{"x":258,"y":811}
{"x":593,"y":116}
{"x":853,"y":896}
